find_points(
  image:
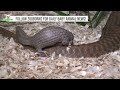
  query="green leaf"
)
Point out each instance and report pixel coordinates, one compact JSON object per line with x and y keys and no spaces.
{"x":96,"y":19}
{"x":61,"y":13}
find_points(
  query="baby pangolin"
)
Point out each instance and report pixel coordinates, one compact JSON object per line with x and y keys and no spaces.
{"x":46,"y":37}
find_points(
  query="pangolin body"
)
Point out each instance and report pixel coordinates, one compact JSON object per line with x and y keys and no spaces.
{"x":49,"y":36}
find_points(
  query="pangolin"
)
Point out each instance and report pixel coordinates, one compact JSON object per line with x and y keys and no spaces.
{"x":49,"y":36}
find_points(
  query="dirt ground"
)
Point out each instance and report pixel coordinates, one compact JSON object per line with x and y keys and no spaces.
{"x":17,"y":63}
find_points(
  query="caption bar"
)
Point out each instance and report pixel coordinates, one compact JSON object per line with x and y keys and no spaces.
{"x":46,"y":19}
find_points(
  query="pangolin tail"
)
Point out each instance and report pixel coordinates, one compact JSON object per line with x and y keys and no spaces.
{"x":22,"y":37}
